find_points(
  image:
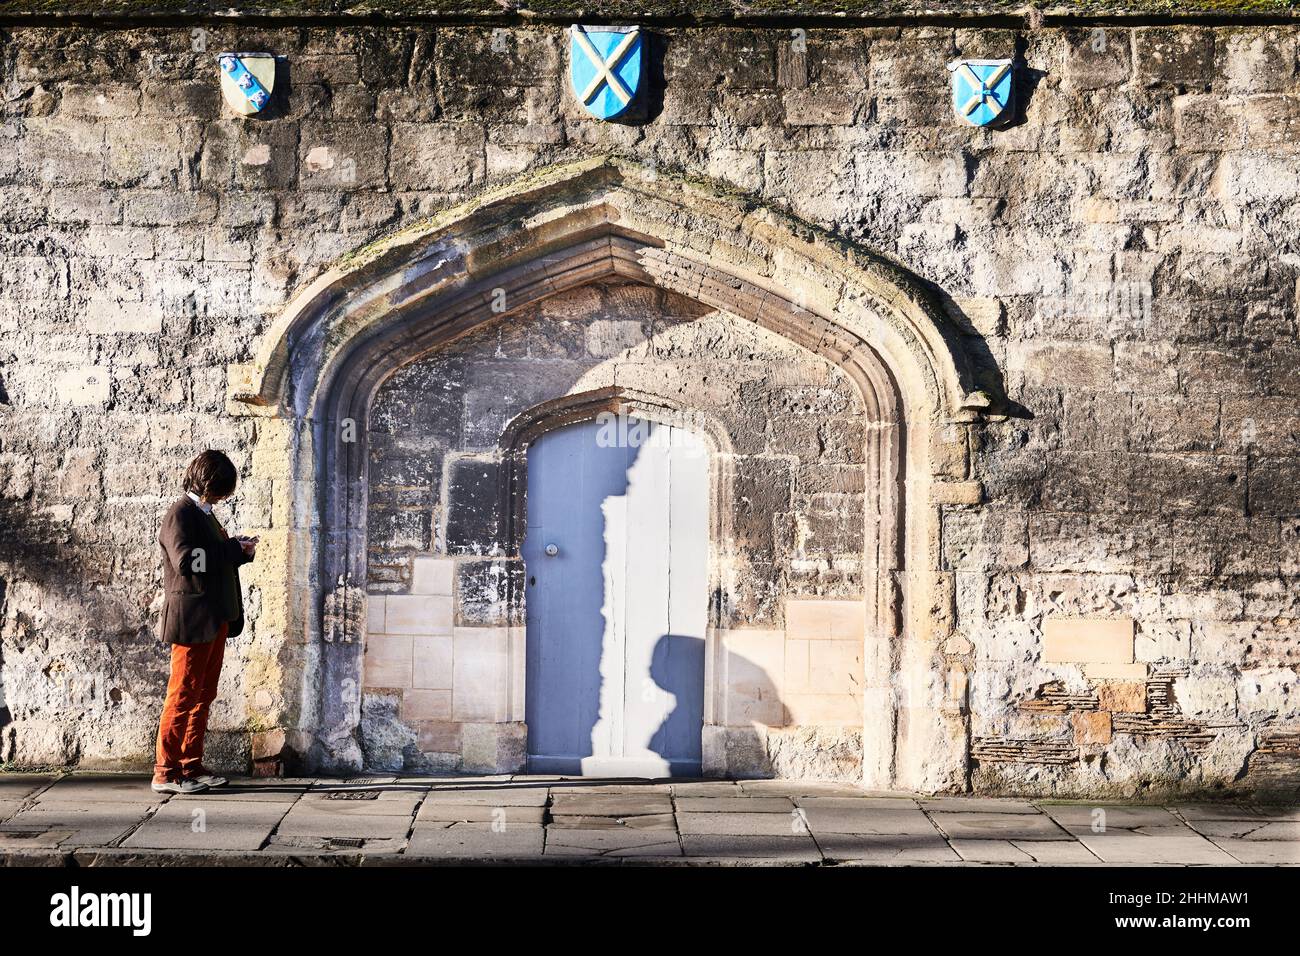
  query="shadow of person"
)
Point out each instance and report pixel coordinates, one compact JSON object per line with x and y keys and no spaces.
{"x":677,"y":668}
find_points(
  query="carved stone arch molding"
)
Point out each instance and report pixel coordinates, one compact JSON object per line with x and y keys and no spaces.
{"x":323,"y":360}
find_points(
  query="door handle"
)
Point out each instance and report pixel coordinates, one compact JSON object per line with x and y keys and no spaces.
{"x":552,"y":550}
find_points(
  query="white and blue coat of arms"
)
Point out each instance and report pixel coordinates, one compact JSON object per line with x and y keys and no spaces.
{"x":247,"y":80}
{"x":605,"y":68}
{"x":981,"y":91}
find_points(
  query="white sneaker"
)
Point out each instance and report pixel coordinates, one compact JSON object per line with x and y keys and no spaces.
{"x":210,"y":780}
{"x":179,"y":786}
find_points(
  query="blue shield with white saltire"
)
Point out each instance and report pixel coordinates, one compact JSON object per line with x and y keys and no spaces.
{"x":247,"y":80}
{"x":981,"y":91}
{"x":605,"y":68}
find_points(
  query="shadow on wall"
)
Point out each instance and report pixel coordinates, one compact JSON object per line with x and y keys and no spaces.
{"x":79,"y":584}
{"x":676,"y":659}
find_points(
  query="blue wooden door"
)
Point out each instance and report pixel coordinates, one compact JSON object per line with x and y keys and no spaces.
{"x":617,"y":599}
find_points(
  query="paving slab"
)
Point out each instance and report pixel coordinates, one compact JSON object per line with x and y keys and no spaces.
{"x":734,"y":804}
{"x":560,"y":842}
{"x":324,"y":820}
{"x":476,"y":840}
{"x":867,"y":819}
{"x":8,"y":808}
{"x":609,"y":804}
{"x":1274,"y":852}
{"x":800,"y":788}
{"x":309,"y":847}
{"x":90,"y":824}
{"x":479,"y":813}
{"x":33,"y":839}
{"x":502,"y":796}
{"x":707,"y":789}
{"x":19,"y":786}
{"x":1279,"y":812}
{"x":1125,"y":847}
{"x":208,"y":825}
{"x":1182,"y":830}
{"x":1121,"y":818}
{"x":984,"y":825}
{"x":1258,"y":829}
{"x":371,"y":802}
{"x":646,"y":821}
{"x":977,"y":805}
{"x":616,"y":789}
{"x":990,"y":851}
{"x":101,"y":788}
{"x":1056,"y":851}
{"x":386,"y":788}
{"x":742,"y":824}
{"x":888,"y":848}
{"x":855,"y":803}
{"x":1216,"y":811}
{"x":252,"y":792}
{"x":780,"y":849}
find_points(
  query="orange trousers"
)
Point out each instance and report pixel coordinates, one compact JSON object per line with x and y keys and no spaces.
{"x":191,"y":690}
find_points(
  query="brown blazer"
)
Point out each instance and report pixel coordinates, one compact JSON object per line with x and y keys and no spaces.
{"x":191,"y":608}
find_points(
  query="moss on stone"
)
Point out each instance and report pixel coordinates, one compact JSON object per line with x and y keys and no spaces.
{"x":640,"y":10}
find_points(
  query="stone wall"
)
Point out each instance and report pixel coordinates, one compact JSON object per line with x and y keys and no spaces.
{"x":1121,"y":604}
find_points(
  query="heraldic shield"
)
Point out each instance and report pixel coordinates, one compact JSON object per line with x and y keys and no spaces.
{"x":981,"y":91}
{"x":247,"y":80}
{"x":605,"y":68}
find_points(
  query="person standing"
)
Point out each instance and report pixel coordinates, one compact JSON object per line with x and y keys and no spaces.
{"x":203,"y":606}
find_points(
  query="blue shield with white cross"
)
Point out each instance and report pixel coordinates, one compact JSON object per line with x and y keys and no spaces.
{"x":981,"y":91}
{"x":247,"y":80}
{"x":605,"y":68}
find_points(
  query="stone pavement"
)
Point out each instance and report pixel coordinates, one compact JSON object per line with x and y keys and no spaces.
{"x":104,"y":819}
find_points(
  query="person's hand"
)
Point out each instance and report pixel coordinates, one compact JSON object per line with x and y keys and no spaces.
{"x":249,"y":545}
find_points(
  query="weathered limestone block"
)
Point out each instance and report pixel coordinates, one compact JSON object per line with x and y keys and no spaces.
{"x":474,"y":502}
{"x":1207,"y":691}
{"x":1256,"y":61}
{"x":385,"y":737}
{"x":1268,"y":693}
{"x":1163,"y":641}
{"x":1178,"y":56}
{"x":431,"y":155}
{"x":976,"y":540}
{"x":493,"y":748}
{"x":1097,"y":59}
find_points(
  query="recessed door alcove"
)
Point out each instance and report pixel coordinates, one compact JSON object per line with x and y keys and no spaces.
{"x":702,"y":480}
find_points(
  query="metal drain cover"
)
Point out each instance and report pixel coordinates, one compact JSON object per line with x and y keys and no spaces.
{"x":348,"y":843}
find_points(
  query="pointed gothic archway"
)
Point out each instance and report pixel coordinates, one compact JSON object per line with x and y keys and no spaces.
{"x":321,"y":363}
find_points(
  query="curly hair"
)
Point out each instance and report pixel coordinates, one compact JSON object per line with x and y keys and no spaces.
{"x":211,"y":476}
